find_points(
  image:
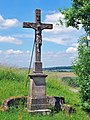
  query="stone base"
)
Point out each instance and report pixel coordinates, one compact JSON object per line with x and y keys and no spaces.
{"x":48,"y":102}
{"x":41,"y":111}
{"x":37,"y":103}
{"x":15,"y":102}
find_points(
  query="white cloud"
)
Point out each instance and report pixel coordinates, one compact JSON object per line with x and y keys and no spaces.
{"x":60,"y":34}
{"x":9,"y":39}
{"x":14,"y":52}
{"x":22,"y":58}
{"x":8,"y":23}
{"x":0,"y":51}
{"x":55,"y":40}
{"x":75,"y":45}
{"x":71,"y":50}
{"x":11,"y":51}
{"x":16,"y":58}
{"x":53,"y":17}
{"x":58,"y":59}
{"x":24,"y":35}
{"x":28,"y":52}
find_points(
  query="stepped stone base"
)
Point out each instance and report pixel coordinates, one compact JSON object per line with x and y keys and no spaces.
{"x":47,"y":103}
{"x":35,"y":105}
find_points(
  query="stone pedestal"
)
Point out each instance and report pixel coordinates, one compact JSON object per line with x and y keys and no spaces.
{"x":37,"y":98}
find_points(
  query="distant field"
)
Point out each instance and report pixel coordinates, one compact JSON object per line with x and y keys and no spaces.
{"x":66,"y":74}
{"x":61,"y":74}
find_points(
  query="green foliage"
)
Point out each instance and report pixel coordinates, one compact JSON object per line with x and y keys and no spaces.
{"x":78,"y":14}
{"x":82,"y":69}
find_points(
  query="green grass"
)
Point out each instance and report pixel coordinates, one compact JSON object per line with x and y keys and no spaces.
{"x":56,"y":87}
{"x":12,"y":83}
{"x":71,"y":81}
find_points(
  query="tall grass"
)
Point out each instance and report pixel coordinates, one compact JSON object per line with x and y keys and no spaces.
{"x":12,"y":83}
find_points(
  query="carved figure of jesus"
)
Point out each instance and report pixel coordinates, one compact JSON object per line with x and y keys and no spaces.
{"x":38,"y":27}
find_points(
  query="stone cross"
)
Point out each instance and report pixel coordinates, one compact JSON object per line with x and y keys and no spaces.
{"x":38,"y":27}
{"x":37,"y":99}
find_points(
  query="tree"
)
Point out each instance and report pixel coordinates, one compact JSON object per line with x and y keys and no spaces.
{"x":78,"y":14}
{"x":82,"y":69}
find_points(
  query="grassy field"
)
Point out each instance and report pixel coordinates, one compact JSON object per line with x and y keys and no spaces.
{"x":13,"y":83}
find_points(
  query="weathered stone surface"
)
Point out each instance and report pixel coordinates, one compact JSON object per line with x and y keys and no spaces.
{"x":55,"y":101}
{"x":68,"y":108}
{"x":37,"y":85}
{"x":37,"y":67}
{"x":37,"y":103}
{"x":45,"y":103}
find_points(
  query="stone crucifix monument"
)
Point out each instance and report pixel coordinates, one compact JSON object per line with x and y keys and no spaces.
{"x":37,"y":99}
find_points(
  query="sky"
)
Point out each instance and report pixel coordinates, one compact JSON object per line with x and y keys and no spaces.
{"x":59,"y":46}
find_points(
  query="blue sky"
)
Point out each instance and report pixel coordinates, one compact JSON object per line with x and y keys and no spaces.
{"x":59,"y":45}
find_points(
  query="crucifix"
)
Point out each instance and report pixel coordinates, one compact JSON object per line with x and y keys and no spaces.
{"x":37,"y":99}
{"x":38,"y":27}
